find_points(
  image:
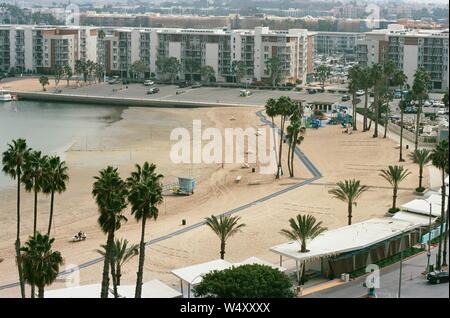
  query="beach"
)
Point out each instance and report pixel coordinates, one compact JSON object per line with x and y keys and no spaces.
{"x":143,"y":134}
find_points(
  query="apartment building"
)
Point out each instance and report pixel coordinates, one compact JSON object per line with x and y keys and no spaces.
{"x":337,"y":43}
{"x":410,"y":49}
{"x":41,"y":49}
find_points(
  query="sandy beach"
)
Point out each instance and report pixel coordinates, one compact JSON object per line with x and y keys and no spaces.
{"x":143,"y":135}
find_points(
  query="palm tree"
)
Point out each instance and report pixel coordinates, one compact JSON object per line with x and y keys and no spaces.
{"x":13,"y":160}
{"x":348,"y":191}
{"x":420,"y":91}
{"x":43,"y":80}
{"x":404,"y":102}
{"x":68,"y":72}
{"x":271,"y":109}
{"x":110,"y":192}
{"x":355,"y":77}
{"x":284,"y":108}
{"x":365,"y":81}
{"x":55,"y":180}
{"x":303,"y":228}
{"x":376,"y":75}
{"x":439,"y":159}
{"x":420,"y":157}
{"x":295,"y":135}
{"x":122,"y":254}
{"x":224,"y":226}
{"x":238,"y":70}
{"x":394,"y":175}
{"x":40,"y":263}
{"x":145,"y":194}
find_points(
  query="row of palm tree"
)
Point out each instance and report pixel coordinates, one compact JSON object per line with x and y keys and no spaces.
{"x":38,"y":174}
{"x":289,"y":111}
{"x":89,"y":69}
{"x":143,"y":191}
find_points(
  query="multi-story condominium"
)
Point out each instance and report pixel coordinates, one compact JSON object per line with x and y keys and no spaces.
{"x":334,"y":43}
{"x":41,"y":49}
{"x":410,"y":49}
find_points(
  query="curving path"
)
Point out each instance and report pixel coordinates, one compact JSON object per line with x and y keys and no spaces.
{"x":309,"y":165}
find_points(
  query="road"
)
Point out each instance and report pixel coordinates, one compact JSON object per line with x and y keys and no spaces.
{"x":413,"y":283}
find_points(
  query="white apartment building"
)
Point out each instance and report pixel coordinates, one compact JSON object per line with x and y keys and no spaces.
{"x":38,"y":49}
{"x":410,"y":49}
{"x":337,"y":43}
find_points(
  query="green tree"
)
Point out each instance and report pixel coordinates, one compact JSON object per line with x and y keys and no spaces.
{"x":145,"y":194}
{"x":404,"y":102}
{"x":271,"y":109}
{"x":246,"y":281}
{"x":110,"y":193}
{"x":420,"y":91}
{"x":295,"y":135}
{"x":68,"y":73}
{"x":302,"y":229}
{"x":322,"y":74}
{"x":81,"y":69}
{"x":366,"y":83}
{"x":138,"y":69}
{"x":40,"y":263}
{"x":394,"y":175}
{"x":43,"y":80}
{"x":59,"y":73}
{"x":122,"y":253}
{"x":13,"y":161}
{"x":54,"y":181}
{"x":170,"y":66}
{"x":238,"y":70}
{"x":275,"y":68}
{"x":348,"y":191}
{"x":355,"y":76}
{"x":377,"y":77}
{"x":90,"y":69}
{"x":420,"y":157}
{"x":208,"y":73}
{"x":99,"y":72}
{"x":440,"y":159}
{"x":224,"y":227}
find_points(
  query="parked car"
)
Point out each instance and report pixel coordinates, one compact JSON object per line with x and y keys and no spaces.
{"x":153,"y":90}
{"x":196,"y":85}
{"x":312,"y":91}
{"x":183,"y":84}
{"x":360,"y":93}
{"x":437,"y":277}
{"x":149,"y":83}
{"x":244,"y":93}
{"x":345,"y":98}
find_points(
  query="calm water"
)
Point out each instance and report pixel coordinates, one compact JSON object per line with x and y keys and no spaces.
{"x":51,"y":127}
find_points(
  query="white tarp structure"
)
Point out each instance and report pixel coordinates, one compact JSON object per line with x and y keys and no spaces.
{"x":345,"y":239}
{"x":84,"y":291}
{"x":422,"y":206}
{"x":422,"y":220}
{"x":152,"y":289}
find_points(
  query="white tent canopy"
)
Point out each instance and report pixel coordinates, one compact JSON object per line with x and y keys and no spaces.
{"x":345,"y":239}
{"x":152,"y":289}
{"x":254,"y":260}
{"x":422,"y":206}
{"x":422,"y":220}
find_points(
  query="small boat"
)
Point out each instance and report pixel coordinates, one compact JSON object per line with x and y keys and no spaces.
{"x":5,"y":95}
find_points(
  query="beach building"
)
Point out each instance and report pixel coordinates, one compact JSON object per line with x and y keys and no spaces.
{"x":410,"y":49}
{"x":351,"y":247}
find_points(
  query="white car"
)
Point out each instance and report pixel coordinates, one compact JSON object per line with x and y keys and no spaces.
{"x":148,"y":83}
{"x":360,"y":93}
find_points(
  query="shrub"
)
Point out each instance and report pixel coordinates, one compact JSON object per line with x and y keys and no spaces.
{"x":393,"y":210}
{"x":420,"y":189}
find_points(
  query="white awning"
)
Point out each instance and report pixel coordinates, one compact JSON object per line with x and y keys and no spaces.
{"x":193,"y":274}
{"x":415,"y":218}
{"x":422,"y":206}
{"x":84,"y":291}
{"x":345,"y":239}
{"x":152,"y":289}
{"x":255,"y":260}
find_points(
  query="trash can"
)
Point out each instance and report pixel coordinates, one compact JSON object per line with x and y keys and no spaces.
{"x":183,"y":222}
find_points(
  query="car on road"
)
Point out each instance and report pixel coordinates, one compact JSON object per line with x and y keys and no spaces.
{"x":345,"y":98}
{"x":149,"y":83}
{"x":153,"y":90}
{"x":196,"y":85}
{"x":437,"y":277}
{"x":311,"y":91}
{"x":360,"y":93}
{"x":244,"y":93}
{"x":183,"y":85}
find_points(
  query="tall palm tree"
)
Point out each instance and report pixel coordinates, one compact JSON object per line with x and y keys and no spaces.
{"x":440,"y":159}
{"x":110,"y":193}
{"x":355,"y":76}
{"x":366,"y":83}
{"x":13,"y":160}
{"x":33,"y":178}
{"x":394,"y":175}
{"x":224,"y":226}
{"x":284,"y":108}
{"x":302,"y":229}
{"x":271,"y":109}
{"x":40,"y":263}
{"x":420,"y":157}
{"x":376,"y":75}
{"x":145,"y":194}
{"x":295,"y":135}
{"x":404,"y":102}
{"x":348,"y":191}
{"x":420,"y":86}
{"x":122,"y":254}
{"x":55,"y":180}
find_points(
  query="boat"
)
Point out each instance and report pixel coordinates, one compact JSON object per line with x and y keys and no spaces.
{"x":5,"y":95}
